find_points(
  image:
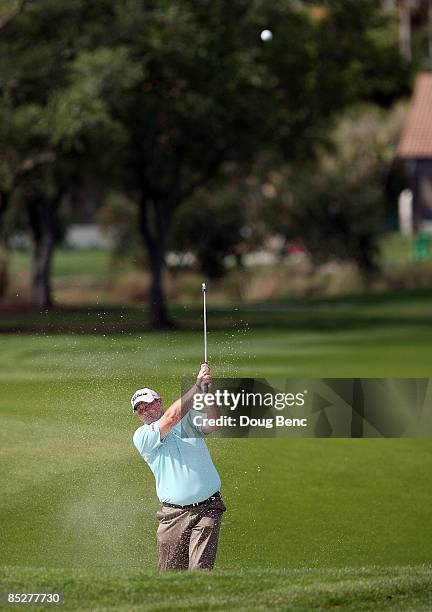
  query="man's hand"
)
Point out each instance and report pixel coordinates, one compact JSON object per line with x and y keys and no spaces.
{"x":213,"y":411}
{"x":178,"y":409}
{"x":204,"y":376}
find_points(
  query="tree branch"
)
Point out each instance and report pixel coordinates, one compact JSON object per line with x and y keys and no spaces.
{"x":144,"y":223}
{"x":204,"y":177}
{"x":4,"y":21}
{"x":4,"y":202}
{"x":41,"y":158}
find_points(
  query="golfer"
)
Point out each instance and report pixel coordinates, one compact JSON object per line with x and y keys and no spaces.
{"x":187,"y":482}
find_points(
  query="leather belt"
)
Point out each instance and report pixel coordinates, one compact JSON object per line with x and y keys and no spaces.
{"x":214,"y":496}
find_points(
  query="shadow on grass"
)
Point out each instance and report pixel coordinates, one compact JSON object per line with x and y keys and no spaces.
{"x":355,"y":312}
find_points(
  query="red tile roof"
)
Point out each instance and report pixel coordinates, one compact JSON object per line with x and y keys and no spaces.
{"x":416,"y":139}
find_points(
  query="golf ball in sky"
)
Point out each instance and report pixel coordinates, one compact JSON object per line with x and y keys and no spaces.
{"x":266,"y":35}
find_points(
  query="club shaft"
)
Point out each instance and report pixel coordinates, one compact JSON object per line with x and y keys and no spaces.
{"x":204,"y":289}
{"x":205,"y":327}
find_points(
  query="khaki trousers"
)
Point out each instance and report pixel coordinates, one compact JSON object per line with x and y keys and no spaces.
{"x":188,"y":538}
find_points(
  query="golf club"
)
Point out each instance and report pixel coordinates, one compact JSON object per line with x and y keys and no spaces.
{"x":204,"y":290}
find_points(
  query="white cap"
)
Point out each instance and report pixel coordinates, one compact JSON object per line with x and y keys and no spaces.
{"x":143,"y":395}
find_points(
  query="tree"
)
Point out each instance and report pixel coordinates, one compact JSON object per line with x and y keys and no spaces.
{"x":26,"y":152}
{"x":212,"y":96}
{"x":55,"y":124}
{"x":187,"y":91}
{"x":336,"y":207}
{"x":209,"y":225}
{"x":10,"y":10}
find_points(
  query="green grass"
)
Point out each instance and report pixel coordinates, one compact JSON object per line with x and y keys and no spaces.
{"x":97,"y":262}
{"x":79,"y":504}
{"x":397,"y":249}
{"x":366,"y":335}
{"x":366,"y":588}
{"x":69,"y":262}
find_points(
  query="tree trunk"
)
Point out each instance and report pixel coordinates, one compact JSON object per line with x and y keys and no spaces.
{"x":367,"y":257}
{"x":4,"y":202}
{"x":42,"y":218}
{"x":154,"y":237}
{"x":405,"y":30}
{"x":158,"y":315}
{"x":41,"y":294}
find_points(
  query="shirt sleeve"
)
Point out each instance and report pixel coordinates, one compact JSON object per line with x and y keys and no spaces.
{"x":147,"y":439}
{"x":194,"y":429}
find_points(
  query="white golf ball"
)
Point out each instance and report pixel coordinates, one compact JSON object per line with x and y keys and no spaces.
{"x":266,"y":35}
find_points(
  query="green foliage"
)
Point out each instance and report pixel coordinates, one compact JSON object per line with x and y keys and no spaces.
{"x":209,"y":226}
{"x":80,"y":112}
{"x":4,"y":272}
{"x":155,"y":98}
{"x":190,"y":85}
{"x":22,"y":138}
{"x":336,"y":208}
{"x":119,"y":218}
{"x":338,"y":219}
{"x":7,"y":6}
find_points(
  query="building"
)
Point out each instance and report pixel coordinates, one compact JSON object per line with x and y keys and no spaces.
{"x":415,"y":149}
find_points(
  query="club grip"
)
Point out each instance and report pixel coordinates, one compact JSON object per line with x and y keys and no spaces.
{"x":205,"y":385}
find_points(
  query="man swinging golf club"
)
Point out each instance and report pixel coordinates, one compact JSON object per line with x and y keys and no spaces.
{"x":187,"y":482}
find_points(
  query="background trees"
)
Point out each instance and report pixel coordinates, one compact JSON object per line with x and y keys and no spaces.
{"x":336,"y":207}
{"x":169,"y":101}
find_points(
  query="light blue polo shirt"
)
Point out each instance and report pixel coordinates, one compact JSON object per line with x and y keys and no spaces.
{"x":182,"y":467}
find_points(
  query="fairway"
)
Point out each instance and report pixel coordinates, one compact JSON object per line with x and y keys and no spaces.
{"x":216,"y":305}
{"x":79,"y":501}
{"x":365,"y":588}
